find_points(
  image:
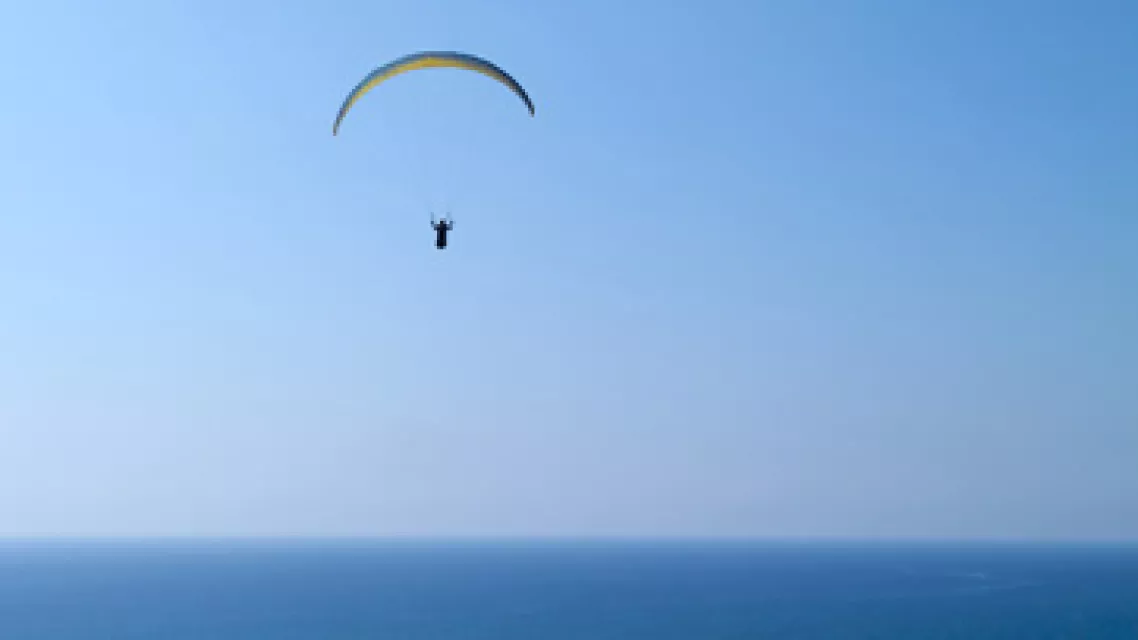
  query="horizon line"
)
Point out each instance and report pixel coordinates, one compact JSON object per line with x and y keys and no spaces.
{"x":573,"y":539}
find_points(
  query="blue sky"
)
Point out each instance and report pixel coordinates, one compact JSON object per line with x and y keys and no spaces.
{"x":755,"y":268}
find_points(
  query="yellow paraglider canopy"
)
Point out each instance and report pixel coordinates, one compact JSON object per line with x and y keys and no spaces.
{"x":429,"y":60}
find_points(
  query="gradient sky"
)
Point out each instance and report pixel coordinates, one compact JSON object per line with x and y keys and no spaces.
{"x":844,"y":268}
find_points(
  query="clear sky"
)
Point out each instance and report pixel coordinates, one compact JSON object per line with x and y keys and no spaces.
{"x":843,"y":268}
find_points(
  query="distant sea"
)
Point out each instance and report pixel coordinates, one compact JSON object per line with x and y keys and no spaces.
{"x":224,"y":590}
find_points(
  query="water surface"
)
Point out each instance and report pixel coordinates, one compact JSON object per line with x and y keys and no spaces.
{"x":222,"y":590}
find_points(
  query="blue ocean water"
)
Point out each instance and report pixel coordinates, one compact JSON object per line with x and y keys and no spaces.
{"x":561,"y":591}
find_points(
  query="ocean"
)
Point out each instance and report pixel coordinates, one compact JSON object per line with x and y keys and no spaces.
{"x":507,"y":590}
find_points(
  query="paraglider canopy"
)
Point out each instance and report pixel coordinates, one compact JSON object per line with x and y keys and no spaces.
{"x":430,"y":60}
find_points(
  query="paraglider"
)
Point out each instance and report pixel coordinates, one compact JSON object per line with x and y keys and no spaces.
{"x":441,"y":228}
{"x":431,"y":60}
